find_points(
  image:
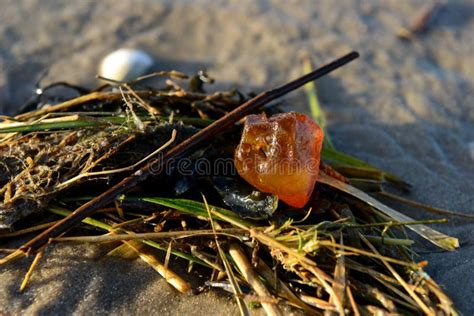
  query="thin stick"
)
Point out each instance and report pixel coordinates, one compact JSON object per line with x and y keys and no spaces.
{"x":171,"y":74}
{"x":27,"y":230}
{"x":153,"y":111}
{"x":183,"y":148}
{"x":355,"y":309}
{"x":252,"y":278}
{"x":160,"y":235}
{"x":33,"y":265}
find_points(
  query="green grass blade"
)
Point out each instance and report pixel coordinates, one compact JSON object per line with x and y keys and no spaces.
{"x":186,"y":206}
{"x":88,"y":220}
{"x":329,"y":153}
{"x":313,"y":102}
{"x":84,"y":121}
{"x":34,"y":127}
{"x":341,"y":160}
{"x":195,"y":208}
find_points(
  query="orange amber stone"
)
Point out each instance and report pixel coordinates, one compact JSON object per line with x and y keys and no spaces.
{"x":281,"y":155}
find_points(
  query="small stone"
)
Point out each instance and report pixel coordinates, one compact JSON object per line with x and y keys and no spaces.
{"x":281,"y":155}
{"x":125,"y":64}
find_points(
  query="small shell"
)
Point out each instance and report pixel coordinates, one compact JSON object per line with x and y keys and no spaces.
{"x":125,"y":64}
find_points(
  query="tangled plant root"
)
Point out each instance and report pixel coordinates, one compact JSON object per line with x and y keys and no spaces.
{"x":35,"y":166}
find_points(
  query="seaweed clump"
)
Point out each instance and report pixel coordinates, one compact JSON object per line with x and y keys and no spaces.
{"x":341,"y":252}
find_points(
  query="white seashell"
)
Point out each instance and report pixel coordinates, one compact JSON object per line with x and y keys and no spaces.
{"x":125,"y":64}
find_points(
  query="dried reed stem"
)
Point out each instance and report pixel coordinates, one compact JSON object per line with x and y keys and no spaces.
{"x":29,"y":273}
{"x":240,"y":259}
{"x":170,"y":276}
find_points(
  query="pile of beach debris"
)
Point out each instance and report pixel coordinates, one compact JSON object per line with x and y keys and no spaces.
{"x":258,"y":197}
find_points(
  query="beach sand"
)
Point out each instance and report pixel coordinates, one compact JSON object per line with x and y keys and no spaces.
{"x":406,"y":106}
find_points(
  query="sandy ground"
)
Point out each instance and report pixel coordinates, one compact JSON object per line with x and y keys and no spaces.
{"x":404,"y":106}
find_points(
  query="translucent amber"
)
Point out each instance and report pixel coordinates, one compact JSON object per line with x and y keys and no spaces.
{"x":281,"y":155}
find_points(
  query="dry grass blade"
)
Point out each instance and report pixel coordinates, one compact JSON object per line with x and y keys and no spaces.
{"x":170,"y":276}
{"x":172,"y":74}
{"x":281,"y":288}
{"x":446,"y":304}
{"x":355,"y":309}
{"x":229,"y":232}
{"x":386,"y":281}
{"x":340,"y":282}
{"x":356,"y":251}
{"x":305,"y":262}
{"x":252,"y":278}
{"x":148,"y":107}
{"x":228,"y":268}
{"x":439,"y":239}
{"x":28,"y":274}
{"x":138,"y":247}
{"x":406,"y":286}
{"x":17,"y":254}
{"x":27,"y":230}
{"x":317,"y":302}
{"x":123,"y":251}
{"x":384,"y":300}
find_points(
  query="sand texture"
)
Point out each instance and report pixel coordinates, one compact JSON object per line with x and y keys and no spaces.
{"x":407,"y":107}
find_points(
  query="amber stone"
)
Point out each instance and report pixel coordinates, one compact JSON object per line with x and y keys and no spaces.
{"x":281,"y":155}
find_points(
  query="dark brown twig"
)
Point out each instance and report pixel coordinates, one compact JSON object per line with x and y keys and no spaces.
{"x":183,"y":148}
